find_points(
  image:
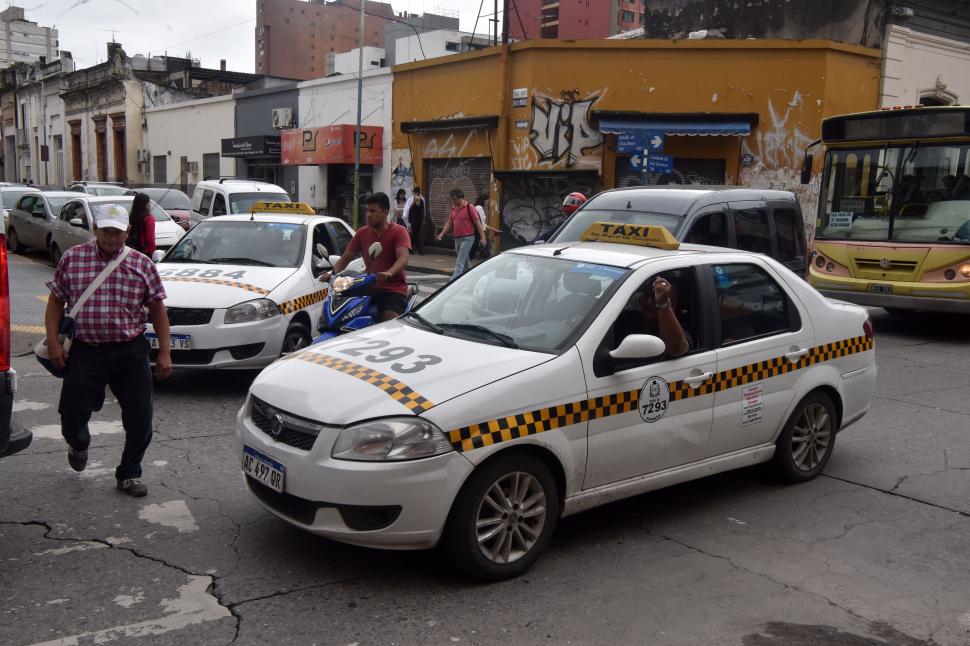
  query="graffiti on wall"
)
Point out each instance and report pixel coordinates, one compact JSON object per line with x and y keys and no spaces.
{"x":530,"y":203}
{"x":470,"y":176}
{"x":472,"y":143}
{"x":560,"y":135}
{"x":402,"y":175}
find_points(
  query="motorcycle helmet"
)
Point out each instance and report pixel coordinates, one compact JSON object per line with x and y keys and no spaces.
{"x":572,"y":202}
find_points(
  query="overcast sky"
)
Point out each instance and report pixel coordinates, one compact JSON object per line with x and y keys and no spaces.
{"x":209,"y":29}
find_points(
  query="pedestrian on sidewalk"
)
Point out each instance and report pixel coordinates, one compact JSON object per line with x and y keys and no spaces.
{"x":397,"y":210}
{"x":142,"y":235}
{"x":465,"y":223}
{"x":109,"y":347}
{"x":414,"y":218}
{"x":482,"y":208}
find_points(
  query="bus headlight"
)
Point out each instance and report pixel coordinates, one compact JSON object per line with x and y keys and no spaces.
{"x":965,"y":270}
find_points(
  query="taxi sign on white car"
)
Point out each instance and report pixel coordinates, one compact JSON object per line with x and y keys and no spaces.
{"x":549,"y":380}
{"x":243,"y":289}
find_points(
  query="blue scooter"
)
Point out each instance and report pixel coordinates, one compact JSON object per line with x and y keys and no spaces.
{"x":348,"y":306}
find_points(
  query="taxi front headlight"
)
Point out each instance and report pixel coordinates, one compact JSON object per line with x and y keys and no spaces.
{"x":257,"y":310}
{"x":391,"y":440}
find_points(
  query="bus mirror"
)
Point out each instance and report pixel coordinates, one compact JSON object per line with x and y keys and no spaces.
{"x":807,"y":168}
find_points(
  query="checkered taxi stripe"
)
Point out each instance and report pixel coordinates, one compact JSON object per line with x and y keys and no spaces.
{"x":399,"y":392}
{"x":217,"y":281}
{"x":533,"y":422}
{"x":303,"y":302}
{"x":774,"y":367}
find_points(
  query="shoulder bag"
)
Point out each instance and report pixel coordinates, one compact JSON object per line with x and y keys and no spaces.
{"x":68,"y":325}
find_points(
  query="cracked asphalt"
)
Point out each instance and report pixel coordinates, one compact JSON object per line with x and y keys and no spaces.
{"x":876,"y":552}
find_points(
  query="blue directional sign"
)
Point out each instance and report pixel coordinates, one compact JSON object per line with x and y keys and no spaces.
{"x":629,"y":142}
{"x":655,"y":141}
{"x":638,"y":161}
{"x":660,"y":163}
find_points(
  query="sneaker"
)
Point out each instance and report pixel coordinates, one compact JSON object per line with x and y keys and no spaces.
{"x":77,"y":459}
{"x":133,"y":487}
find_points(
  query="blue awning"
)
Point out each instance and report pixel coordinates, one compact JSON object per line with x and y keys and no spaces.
{"x":689,"y":127}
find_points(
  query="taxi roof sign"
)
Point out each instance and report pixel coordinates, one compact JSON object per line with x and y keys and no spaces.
{"x":292,"y":208}
{"x":637,"y":234}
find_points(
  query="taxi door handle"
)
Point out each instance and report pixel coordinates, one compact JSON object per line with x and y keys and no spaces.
{"x":694,"y":382}
{"x":796,"y":355}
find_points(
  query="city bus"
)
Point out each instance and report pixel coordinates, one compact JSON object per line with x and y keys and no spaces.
{"x":893,"y":226}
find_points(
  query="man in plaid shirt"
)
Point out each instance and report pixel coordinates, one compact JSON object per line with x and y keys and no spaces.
{"x":109,"y":348}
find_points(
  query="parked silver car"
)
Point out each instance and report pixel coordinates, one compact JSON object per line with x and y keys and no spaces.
{"x":30,"y":221}
{"x":74,"y":224}
{"x":10,"y":194}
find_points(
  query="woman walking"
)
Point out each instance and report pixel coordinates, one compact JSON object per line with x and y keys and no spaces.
{"x":484,"y":250}
{"x":414,"y":218}
{"x":397,"y":209}
{"x":141,"y":233}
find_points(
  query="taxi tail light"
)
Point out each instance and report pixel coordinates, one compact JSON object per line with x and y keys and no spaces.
{"x":867,"y":328}
{"x":4,"y":309}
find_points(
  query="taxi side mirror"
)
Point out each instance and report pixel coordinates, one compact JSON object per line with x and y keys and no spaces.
{"x":639,"y":346}
{"x":76,"y":222}
{"x":157,"y":255}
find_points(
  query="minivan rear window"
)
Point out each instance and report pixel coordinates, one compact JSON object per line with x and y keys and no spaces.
{"x":582,"y":220}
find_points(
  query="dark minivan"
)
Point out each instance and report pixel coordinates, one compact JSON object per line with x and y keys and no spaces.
{"x":751,"y":219}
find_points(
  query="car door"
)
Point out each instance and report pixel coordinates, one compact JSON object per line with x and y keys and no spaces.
{"x":763,"y":332}
{"x":710,"y":226}
{"x":61,"y":230}
{"x":789,"y":234}
{"x":21,"y":218}
{"x":42,"y":221}
{"x":670,"y":410}
{"x":752,"y":227}
{"x":79,"y":233}
{"x":201,"y":212}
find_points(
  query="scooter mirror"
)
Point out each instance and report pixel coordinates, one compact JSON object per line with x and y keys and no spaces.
{"x":322,"y":250}
{"x":333,"y":260}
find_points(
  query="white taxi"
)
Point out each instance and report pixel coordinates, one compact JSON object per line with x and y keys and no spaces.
{"x":243,"y":289}
{"x":535,"y":386}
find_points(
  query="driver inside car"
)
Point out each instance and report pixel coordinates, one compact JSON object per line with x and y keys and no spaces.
{"x":660,"y":309}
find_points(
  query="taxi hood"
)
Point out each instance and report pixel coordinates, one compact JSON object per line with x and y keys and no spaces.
{"x":218,"y":286}
{"x":358,"y":376}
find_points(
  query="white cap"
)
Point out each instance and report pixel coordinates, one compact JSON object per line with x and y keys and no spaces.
{"x":111,"y":216}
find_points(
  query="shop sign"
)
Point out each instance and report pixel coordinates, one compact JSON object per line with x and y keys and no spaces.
{"x":332,"y":145}
{"x":258,"y":146}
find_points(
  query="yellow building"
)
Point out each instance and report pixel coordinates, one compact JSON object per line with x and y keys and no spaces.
{"x":530,"y":122}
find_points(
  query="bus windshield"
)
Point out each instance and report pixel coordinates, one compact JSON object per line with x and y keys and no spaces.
{"x":909,"y":193}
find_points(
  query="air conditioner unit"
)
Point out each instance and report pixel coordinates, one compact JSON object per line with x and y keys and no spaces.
{"x":144,"y":155}
{"x":282,"y":118}
{"x":192,"y":167}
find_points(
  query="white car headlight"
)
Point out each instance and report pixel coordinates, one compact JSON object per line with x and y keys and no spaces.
{"x":390,"y":440}
{"x":257,"y":310}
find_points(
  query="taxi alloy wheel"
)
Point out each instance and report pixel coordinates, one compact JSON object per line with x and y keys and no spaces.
{"x":503,"y":518}
{"x":806,"y":443}
{"x":297,"y":337}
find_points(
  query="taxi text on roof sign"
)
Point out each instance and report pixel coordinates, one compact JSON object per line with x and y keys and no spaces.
{"x":638,"y":234}
{"x":293,"y":208}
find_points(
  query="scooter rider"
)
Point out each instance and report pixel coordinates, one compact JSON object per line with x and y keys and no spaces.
{"x":391,"y":290}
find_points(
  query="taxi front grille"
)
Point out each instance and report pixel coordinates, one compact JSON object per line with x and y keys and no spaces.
{"x":189,"y":316}
{"x":299,"y":437}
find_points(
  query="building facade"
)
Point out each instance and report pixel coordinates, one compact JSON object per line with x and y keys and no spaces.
{"x":322,"y":147}
{"x":433,"y":44}
{"x":183,"y":141}
{"x":539,"y":119}
{"x":294,"y":37}
{"x":408,"y":25}
{"x":572,"y":19}
{"x":260,"y":115}
{"x":22,"y":41}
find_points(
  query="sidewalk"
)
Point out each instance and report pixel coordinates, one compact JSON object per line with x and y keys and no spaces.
{"x":433,"y":261}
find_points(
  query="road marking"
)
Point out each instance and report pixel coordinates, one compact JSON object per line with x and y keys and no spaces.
{"x":194,"y":605}
{"x":23,"y":404}
{"x":80,"y":547}
{"x":53,"y":431}
{"x":128,"y":600}
{"x":174,"y":513}
{"x":30,"y":329}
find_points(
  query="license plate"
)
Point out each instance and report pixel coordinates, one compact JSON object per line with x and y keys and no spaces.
{"x":881,"y":289}
{"x":263,"y":468}
{"x":178,"y":342}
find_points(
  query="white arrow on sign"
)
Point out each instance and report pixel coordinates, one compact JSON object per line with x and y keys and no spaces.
{"x":656,"y":142}
{"x":635,"y":160}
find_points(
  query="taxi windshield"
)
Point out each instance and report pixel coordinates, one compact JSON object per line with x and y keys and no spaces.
{"x":577,"y":225}
{"x":521,"y":301}
{"x":266,"y":244}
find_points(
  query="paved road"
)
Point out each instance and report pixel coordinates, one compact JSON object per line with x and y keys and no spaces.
{"x":876,"y":552}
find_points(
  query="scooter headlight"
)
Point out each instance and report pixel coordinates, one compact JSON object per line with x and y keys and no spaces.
{"x":342,"y":283}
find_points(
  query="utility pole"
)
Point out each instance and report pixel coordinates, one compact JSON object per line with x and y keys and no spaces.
{"x":360,"y":98}
{"x":495,"y":26}
{"x":505,"y":22}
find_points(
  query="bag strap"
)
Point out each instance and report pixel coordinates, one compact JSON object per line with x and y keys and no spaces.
{"x":471,"y":218}
{"x":97,"y":282}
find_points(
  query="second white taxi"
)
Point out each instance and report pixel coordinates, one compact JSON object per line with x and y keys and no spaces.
{"x":537,"y":386}
{"x":243,"y":289}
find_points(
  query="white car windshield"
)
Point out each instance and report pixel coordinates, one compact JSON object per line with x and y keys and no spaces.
{"x":243,"y":202}
{"x":522,"y":301}
{"x":266,"y":244}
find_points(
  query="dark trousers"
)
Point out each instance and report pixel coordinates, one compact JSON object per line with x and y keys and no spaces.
{"x":123,"y":367}
{"x":416,"y":224}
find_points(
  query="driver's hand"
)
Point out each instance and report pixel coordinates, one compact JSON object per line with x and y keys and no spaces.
{"x":661,"y":290}
{"x":383,"y":276}
{"x":324,"y":277}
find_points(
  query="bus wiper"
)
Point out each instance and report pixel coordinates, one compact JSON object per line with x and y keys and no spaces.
{"x":504,"y":339}
{"x":417,"y":317}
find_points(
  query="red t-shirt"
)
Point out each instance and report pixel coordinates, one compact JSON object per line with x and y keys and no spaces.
{"x":461,"y":220}
{"x":393,"y":238}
